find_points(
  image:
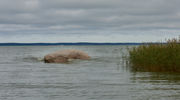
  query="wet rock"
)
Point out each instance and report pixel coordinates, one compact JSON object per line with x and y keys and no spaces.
{"x":64,"y":56}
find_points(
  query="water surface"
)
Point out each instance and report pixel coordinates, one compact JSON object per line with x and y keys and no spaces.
{"x":23,"y":76}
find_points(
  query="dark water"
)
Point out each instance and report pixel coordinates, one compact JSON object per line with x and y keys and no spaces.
{"x":23,"y":76}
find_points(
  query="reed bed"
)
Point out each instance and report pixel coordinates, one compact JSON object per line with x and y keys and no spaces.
{"x":159,"y":57}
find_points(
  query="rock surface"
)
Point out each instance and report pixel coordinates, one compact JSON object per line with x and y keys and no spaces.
{"x":65,"y":56}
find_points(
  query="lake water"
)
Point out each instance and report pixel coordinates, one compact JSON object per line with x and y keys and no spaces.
{"x":23,"y":76}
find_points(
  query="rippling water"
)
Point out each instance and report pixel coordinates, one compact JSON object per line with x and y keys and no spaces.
{"x":23,"y":76}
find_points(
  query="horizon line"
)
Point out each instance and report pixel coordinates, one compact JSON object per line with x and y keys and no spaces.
{"x":73,"y":43}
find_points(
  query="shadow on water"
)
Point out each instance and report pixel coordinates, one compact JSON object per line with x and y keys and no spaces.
{"x":155,"y":86}
{"x":155,"y":77}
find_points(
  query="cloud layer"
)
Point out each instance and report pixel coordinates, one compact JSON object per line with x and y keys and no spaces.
{"x":122,"y":19}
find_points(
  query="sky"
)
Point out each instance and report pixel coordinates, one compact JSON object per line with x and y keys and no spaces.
{"x":89,"y":20}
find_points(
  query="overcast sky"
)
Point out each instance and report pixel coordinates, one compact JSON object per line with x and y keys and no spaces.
{"x":89,"y":20}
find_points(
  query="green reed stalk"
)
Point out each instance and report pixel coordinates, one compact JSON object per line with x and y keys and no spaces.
{"x":161,"y":57}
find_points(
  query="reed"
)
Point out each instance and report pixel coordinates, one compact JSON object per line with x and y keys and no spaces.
{"x":160,"y":57}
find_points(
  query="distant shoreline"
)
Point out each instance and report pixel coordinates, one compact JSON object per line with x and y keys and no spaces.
{"x":78,"y":43}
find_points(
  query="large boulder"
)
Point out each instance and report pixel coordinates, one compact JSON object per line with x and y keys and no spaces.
{"x":65,"y":56}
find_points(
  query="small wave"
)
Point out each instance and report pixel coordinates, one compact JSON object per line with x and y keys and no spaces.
{"x":102,"y":59}
{"x":32,"y":59}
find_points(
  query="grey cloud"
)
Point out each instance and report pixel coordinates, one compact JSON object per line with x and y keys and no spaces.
{"x":87,"y":16}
